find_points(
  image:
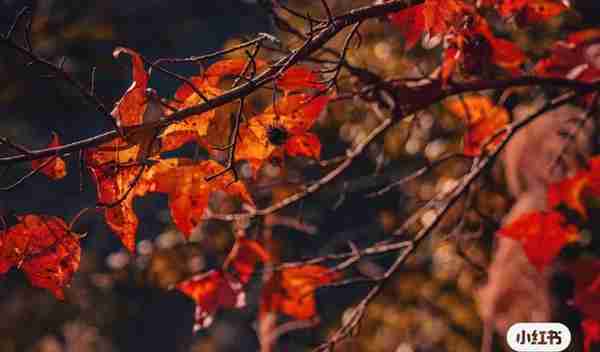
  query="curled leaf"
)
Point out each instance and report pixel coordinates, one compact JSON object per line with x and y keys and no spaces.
{"x":129,"y":110}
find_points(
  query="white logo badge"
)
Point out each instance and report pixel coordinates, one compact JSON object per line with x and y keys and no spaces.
{"x":538,"y":337}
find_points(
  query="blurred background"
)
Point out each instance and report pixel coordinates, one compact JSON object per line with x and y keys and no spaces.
{"x":120,"y":302}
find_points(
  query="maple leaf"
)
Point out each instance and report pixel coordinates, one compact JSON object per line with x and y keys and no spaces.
{"x":298,"y":78}
{"x":528,"y":11}
{"x":54,"y":169}
{"x":291,"y":291}
{"x":44,"y":248}
{"x":195,"y":127}
{"x":217,"y":288}
{"x":482,"y":119}
{"x":211,"y":291}
{"x":115,"y":186}
{"x":574,"y":58}
{"x":432,"y":17}
{"x":469,"y":38}
{"x":185,"y":183}
{"x":542,"y":234}
{"x":244,"y":256}
{"x":282,"y":127}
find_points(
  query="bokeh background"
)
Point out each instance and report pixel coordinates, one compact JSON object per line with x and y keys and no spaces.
{"x":119,"y":302}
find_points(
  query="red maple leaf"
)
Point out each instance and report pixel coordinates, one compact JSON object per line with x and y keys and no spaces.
{"x":211,"y":291}
{"x":527,"y":11}
{"x":218,"y":288}
{"x":468,"y":37}
{"x":44,"y":248}
{"x":282,"y":128}
{"x":542,"y":234}
{"x":574,"y":58}
{"x":291,"y":291}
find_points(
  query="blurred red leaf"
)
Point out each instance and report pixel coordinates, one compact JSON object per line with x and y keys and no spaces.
{"x":591,"y":333}
{"x":528,"y":11}
{"x":44,"y":248}
{"x":211,"y":291}
{"x":55,"y":169}
{"x":542,"y":234}
{"x":575,"y":58}
{"x":411,"y":23}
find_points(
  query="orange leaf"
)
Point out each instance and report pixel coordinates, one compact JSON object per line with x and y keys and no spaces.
{"x":244,"y":256}
{"x":278,"y":125}
{"x":542,"y":234}
{"x":189,"y":192}
{"x":116,"y":190}
{"x":44,"y":248}
{"x":482,"y":119}
{"x":411,"y":23}
{"x":211,"y":291}
{"x":307,"y":144}
{"x":291,"y":291}
{"x":129,"y":111}
{"x":299,"y":77}
{"x":55,"y":169}
{"x":297,"y":113}
{"x":196,"y":126}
